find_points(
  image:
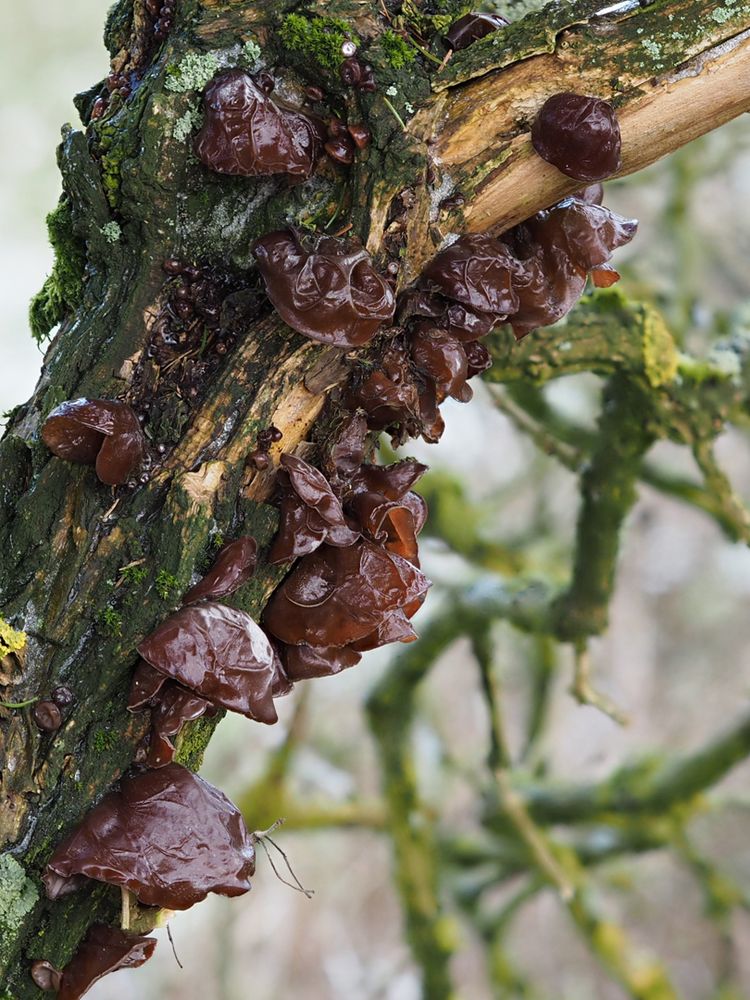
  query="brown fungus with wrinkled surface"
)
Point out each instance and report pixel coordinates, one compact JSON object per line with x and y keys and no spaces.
{"x":335,"y":597}
{"x":174,"y":707}
{"x":221,"y":654}
{"x":324,"y":287}
{"x":580,"y":135}
{"x":100,"y":432}
{"x":311,"y":513}
{"x":234,"y":565}
{"x":166,"y":835}
{"x":247,"y":133}
{"x":104,"y":950}
{"x":473,"y":26}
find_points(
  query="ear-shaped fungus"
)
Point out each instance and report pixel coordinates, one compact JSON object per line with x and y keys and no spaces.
{"x":245,"y":132}
{"x":310,"y":513}
{"x":219,"y":653}
{"x":101,"y":432}
{"x":325,"y":288}
{"x":477,"y":272}
{"x":471,"y":27}
{"x":234,"y":565}
{"x":103,"y":950}
{"x":174,"y":707}
{"x":305,"y":662}
{"x":579,"y":135}
{"x":167,"y":836}
{"x":334,"y":597}
{"x":388,"y":511}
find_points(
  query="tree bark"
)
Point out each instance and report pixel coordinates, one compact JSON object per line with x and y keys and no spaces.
{"x":67,"y":540}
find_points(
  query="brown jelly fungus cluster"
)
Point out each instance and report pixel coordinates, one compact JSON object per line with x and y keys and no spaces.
{"x":100,"y":432}
{"x":245,"y":132}
{"x":103,"y":950}
{"x":166,"y":835}
{"x":579,"y":135}
{"x":350,"y":527}
{"x":473,"y":26}
{"x":323,"y":287}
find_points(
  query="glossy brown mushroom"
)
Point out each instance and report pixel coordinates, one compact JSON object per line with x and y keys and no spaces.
{"x":246,"y":133}
{"x":323,"y":287}
{"x":310,"y":513}
{"x":103,"y":950}
{"x":305,"y":662}
{"x":234,"y":565}
{"x":101,"y":432}
{"x":578,"y":134}
{"x":145,"y":685}
{"x":387,"y":394}
{"x":473,"y":26}
{"x":218,"y":652}
{"x":440,"y":356}
{"x":336,"y":596}
{"x":476,"y":271}
{"x":175,"y":706}
{"x":45,"y":975}
{"x":167,"y":836}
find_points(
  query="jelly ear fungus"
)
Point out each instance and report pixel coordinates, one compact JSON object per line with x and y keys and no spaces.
{"x":166,"y":835}
{"x":101,"y":432}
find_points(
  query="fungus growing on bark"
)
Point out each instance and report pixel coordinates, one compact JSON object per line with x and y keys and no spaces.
{"x":310,"y":513}
{"x":386,"y":509}
{"x":477,"y":272}
{"x":103,"y":950}
{"x":334,"y":597}
{"x":324,"y":287}
{"x":387,"y":394}
{"x":167,"y":836}
{"x":47,"y":716}
{"x":579,"y":135}
{"x":473,"y":26}
{"x":233,"y":566}
{"x":245,"y":132}
{"x":305,"y":662}
{"x":442,"y":358}
{"x":101,"y":432}
{"x":341,"y":149}
{"x":175,"y":706}
{"x":219,"y":653}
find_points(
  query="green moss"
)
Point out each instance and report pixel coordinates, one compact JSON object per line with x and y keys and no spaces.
{"x":192,"y":741}
{"x":165,"y":584}
{"x":63,"y":290}
{"x":18,"y":895}
{"x":104,"y":740}
{"x":11,"y":640}
{"x":109,"y":622}
{"x":316,"y":39}
{"x":397,"y":51}
{"x":133,"y":576}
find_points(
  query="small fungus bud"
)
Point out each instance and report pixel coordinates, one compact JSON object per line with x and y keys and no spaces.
{"x":315,"y":93}
{"x":276,"y":434}
{"x":232,"y":567}
{"x":45,"y":975}
{"x":579,"y":135}
{"x":351,"y":72}
{"x":367,"y":82}
{"x":259,"y":459}
{"x":348,"y":48}
{"x":62,"y":697}
{"x":341,"y":150}
{"x":47,"y":716}
{"x":361,"y":135}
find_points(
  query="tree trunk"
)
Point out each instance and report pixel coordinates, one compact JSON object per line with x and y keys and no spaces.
{"x":86,"y":570}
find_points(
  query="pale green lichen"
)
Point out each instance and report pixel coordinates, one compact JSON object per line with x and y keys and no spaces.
{"x":11,"y":640}
{"x":250,"y":54}
{"x":653,"y":48}
{"x":721,"y":15}
{"x":192,"y":73}
{"x":18,"y":895}
{"x":660,"y":354}
{"x":111,"y":231}
{"x":186,"y":124}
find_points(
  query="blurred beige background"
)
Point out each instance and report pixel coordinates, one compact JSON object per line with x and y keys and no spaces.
{"x":677,"y":656}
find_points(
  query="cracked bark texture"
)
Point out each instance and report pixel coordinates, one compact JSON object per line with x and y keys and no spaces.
{"x":64,"y":537}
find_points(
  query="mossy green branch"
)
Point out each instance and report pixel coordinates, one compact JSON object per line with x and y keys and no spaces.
{"x":62,"y":292}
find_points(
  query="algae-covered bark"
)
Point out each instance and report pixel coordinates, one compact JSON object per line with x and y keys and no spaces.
{"x":87,"y":571}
